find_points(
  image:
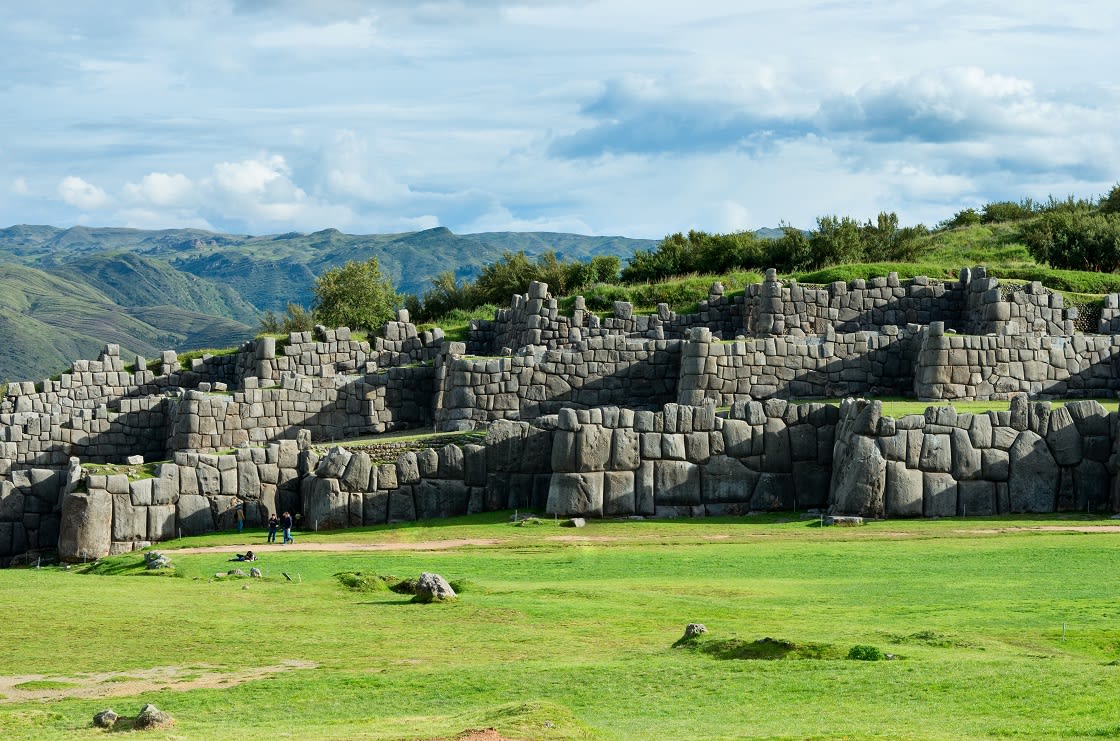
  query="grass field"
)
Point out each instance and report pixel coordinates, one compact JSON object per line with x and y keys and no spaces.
{"x":999,"y":628}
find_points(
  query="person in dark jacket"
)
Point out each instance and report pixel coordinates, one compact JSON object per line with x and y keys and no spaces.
{"x":273,"y":523}
{"x":286,"y":523}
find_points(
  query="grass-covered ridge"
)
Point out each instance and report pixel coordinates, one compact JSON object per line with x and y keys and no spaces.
{"x":997,"y":627}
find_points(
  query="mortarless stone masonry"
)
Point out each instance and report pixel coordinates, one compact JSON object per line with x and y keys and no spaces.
{"x":588,"y":417}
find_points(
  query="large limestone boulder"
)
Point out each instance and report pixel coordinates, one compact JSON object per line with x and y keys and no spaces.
{"x":325,"y":506}
{"x":1033,"y":474}
{"x":575,"y":494}
{"x":433,"y":588}
{"x":859,"y":476}
{"x":86,"y":530}
{"x":903,"y":493}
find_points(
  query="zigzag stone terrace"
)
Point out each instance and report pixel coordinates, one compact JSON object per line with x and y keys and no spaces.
{"x":663,"y":415}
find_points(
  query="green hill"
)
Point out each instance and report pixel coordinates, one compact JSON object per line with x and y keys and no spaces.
{"x":69,"y":291}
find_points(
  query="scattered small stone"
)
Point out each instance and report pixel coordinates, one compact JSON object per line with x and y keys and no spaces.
{"x":105,"y":719}
{"x":235,"y":572}
{"x":152,"y":717}
{"x":843,"y":520}
{"x":155,"y":560}
{"x":433,"y":588}
{"x":134,"y":460}
{"x":575,"y":522}
{"x":694,"y":629}
{"x":255,"y":573}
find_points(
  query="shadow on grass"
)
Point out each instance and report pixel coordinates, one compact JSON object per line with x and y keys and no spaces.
{"x":764,"y":649}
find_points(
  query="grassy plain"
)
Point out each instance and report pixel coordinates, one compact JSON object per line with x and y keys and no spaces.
{"x":1000,"y":628}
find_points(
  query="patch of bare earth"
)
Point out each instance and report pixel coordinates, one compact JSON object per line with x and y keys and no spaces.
{"x":429,"y":545}
{"x":136,"y":681}
{"x":1045,"y":529}
{"x":487,"y":734}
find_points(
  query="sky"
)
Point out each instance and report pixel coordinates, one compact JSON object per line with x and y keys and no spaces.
{"x":616,"y":117}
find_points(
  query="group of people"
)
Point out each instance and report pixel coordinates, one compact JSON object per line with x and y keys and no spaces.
{"x":283,"y":522}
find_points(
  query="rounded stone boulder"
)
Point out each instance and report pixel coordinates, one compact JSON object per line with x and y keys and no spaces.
{"x":433,"y":588}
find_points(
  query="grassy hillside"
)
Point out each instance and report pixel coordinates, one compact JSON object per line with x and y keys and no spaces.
{"x":48,"y":321}
{"x":999,"y":627}
{"x":69,"y":291}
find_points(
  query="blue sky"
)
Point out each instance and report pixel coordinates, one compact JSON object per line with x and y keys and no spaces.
{"x":637,"y":118}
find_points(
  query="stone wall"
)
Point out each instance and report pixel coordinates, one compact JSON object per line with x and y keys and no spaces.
{"x":1029,"y":308}
{"x":1032,"y":458}
{"x":598,"y":371}
{"x":774,"y":308}
{"x":953,"y":366}
{"x":815,"y":366}
{"x":330,"y":407}
{"x":687,"y":461}
{"x":197,"y":493}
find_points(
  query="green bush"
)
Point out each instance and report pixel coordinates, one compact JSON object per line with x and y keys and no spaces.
{"x":359,"y":582}
{"x":865,"y":653}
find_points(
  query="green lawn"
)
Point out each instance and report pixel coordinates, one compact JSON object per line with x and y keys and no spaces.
{"x":999,"y":628}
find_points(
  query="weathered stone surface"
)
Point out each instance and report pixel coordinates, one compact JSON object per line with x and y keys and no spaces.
{"x":903,"y":493}
{"x":994,"y":464}
{"x":151,"y":717}
{"x":676,"y":483}
{"x":810,"y":485}
{"x":1033,"y":475}
{"x":593,"y":448}
{"x":436,"y":498}
{"x":939,"y":494}
{"x":105,"y":719}
{"x":433,"y":588}
{"x":86,"y":529}
{"x":452,"y":462}
{"x":129,"y":522}
{"x":333,"y":464}
{"x":408,"y":470}
{"x":858,"y":478}
{"x":976,"y":498}
{"x":356,"y":475}
{"x":1063,"y":438}
{"x":194,"y":515}
{"x":774,"y":492}
{"x":325,"y":505}
{"x":725,"y":479}
{"x":402,"y":507}
{"x":936,"y":455}
{"x":576,"y":494}
{"x":161,"y":522}
{"x":375,"y":507}
{"x":966,"y":458}
{"x":618,"y":493}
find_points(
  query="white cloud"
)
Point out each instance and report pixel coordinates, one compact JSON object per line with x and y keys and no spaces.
{"x":81,"y":194}
{"x":359,"y":34}
{"x":162,"y":189}
{"x":19,"y":187}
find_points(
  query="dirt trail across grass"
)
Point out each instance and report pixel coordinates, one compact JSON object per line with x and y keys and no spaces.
{"x":135,"y":681}
{"x":423,"y":545}
{"x":443,"y":545}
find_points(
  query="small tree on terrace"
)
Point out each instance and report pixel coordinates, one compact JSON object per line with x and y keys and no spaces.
{"x":355,"y":295}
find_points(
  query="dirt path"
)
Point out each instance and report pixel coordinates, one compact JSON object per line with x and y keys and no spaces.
{"x":443,"y":545}
{"x":137,"y":681}
{"x":423,"y":545}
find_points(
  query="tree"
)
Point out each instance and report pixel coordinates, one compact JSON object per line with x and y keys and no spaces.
{"x":836,"y":241}
{"x":355,"y":295}
{"x":1110,"y":204}
{"x":296,"y":319}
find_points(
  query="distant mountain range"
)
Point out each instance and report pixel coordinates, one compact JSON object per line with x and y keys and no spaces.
{"x":67,"y":292}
